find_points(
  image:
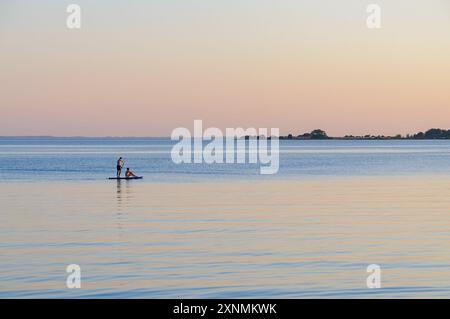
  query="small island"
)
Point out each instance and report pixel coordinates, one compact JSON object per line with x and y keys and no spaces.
{"x":318,"y":134}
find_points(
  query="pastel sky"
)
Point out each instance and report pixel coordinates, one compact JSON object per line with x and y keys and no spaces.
{"x":145,"y":67}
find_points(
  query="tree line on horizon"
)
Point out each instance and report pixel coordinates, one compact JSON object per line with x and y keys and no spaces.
{"x":318,"y":134}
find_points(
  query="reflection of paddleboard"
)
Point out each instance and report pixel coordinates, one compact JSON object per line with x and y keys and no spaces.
{"x":119,"y":178}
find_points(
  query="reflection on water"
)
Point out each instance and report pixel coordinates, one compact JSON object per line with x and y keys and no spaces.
{"x":257,"y":239}
{"x":123,"y":194}
{"x":124,"y":199}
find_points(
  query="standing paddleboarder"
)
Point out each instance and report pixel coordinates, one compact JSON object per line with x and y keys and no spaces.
{"x":119,"y":166}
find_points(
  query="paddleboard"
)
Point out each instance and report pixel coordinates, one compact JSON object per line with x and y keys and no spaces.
{"x":126,"y":178}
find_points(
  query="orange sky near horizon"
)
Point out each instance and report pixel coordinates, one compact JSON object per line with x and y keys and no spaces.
{"x":143,"y":68}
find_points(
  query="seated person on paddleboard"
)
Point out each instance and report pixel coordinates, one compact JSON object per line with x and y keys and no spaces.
{"x":129,"y":173}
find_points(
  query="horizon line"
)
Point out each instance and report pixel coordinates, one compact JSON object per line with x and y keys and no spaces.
{"x":162,"y":137}
{"x":168,"y":137}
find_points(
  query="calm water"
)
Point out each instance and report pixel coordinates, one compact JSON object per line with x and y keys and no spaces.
{"x":218,"y":231}
{"x":42,"y":159}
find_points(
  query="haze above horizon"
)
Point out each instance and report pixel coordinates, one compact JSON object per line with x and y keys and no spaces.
{"x":143,"y":68}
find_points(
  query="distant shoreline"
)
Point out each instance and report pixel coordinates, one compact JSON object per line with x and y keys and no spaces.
{"x":431,"y":134}
{"x":318,"y":134}
{"x":83,"y":137}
